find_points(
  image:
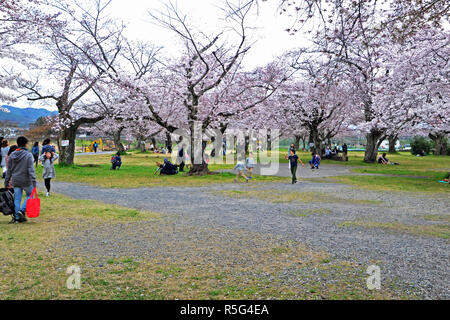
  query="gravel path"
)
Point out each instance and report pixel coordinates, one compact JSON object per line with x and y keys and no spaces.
{"x":326,"y":170}
{"x":420,"y":264}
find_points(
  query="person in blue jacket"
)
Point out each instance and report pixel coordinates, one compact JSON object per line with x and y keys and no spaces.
{"x":35,"y":152}
{"x":116,"y":162}
{"x":315,"y":161}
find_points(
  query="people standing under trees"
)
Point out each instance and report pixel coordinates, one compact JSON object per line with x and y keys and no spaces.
{"x":95,"y":146}
{"x":293,"y":160}
{"x":180,"y":158}
{"x":224,"y":146}
{"x":344,"y":152}
{"x":48,"y":161}
{"x":35,"y":153}
{"x":4,"y":152}
{"x":21,"y":173}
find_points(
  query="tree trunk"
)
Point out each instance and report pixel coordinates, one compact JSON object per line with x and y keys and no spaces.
{"x":392,"y":141}
{"x":118,"y":142}
{"x":198,"y":169}
{"x":373,"y":142}
{"x":246,"y":142}
{"x":168,"y":142}
{"x":67,"y":154}
{"x":269,"y":140}
{"x":440,"y":143}
{"x":138,"y":143}
{"x":142,"y":145}
{"x":315,"y":138}
{"x":297,"y":142}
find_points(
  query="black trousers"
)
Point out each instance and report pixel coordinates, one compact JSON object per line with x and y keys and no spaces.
{"x":294,"y":172}
{"x":47,"y":184}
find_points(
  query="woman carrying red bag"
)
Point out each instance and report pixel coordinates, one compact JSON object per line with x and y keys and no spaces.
{"x":21,"y":172}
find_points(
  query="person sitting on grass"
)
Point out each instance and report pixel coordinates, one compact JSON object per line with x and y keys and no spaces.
{"x":383,"y":160}
{"x":240,"y":167}
{"x":116,"y":162}
{"x":315,"y":161}
{"x":166,"y":168}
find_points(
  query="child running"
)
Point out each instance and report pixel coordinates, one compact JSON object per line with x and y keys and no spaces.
{"x":293,"y":160}
{"x":250,"y":164}
{"x":240,"y":171}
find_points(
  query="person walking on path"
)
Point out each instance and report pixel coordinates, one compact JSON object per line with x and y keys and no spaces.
{"x":250,"y":164}
{"x":293,"y":160}
{"x":48,"y":173}
{"x":95,"y":147}
{"x":21,"y":172}
{"x":240,"y":167}
{"x":4,"y":152}
{"x":35,"y":152}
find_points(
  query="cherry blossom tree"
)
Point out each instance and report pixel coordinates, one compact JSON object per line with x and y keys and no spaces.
{"x":191,"y":92}
{"x":78,"y":56}
{"x":21,"y":22}
{"x":354,"y":33}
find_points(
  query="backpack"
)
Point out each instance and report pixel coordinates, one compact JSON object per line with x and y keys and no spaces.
{"x":6,"y":201}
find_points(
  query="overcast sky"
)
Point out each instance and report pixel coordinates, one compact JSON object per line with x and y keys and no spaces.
{"x":268,"y":33}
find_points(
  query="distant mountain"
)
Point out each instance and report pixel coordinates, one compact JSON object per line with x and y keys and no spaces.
{"x":24,"y":117}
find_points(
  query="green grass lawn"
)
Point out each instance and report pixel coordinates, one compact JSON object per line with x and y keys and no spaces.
{"x":138,"y":171}
{"x":431,"y":169}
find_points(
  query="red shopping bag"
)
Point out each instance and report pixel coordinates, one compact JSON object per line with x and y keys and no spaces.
{"x":33,"y":205}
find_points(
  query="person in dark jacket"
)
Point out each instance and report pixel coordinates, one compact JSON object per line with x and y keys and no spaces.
{"x":35,"y":152}
{"x":1,"y":140}
{"x":315,"y":161}
{"x":180,"y":159}
{"x":46,"y":147}
{"x":116,"y":161}
{"x":344,"y":152}
{"x":21,"y":172}
{"x":167,"y":168}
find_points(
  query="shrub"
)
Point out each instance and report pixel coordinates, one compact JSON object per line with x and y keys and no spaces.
{"x":420,"y":144}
